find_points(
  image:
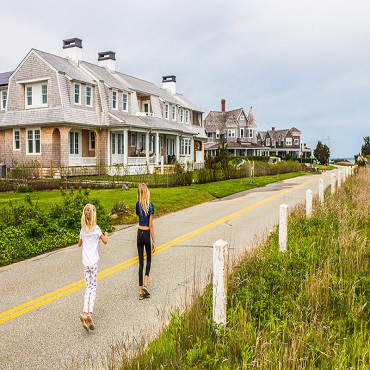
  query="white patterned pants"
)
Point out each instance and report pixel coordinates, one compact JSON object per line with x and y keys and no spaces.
{"x":90,"y":273}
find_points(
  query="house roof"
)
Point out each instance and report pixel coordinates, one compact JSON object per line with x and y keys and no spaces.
{"x":4,"y":78}
{"x":234,"y":145}
{"x":218,"y":120}
{"x":66,"y":66}
{"x":51,"y":116}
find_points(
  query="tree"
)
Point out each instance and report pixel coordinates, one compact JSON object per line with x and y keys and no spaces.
{"x":365,"y":150}
{"x":322,"y":153}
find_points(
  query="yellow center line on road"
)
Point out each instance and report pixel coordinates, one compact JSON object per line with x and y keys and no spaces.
{"x":68,"y":289}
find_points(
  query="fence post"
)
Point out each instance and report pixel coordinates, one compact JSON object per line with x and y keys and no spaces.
{"x":162,"y":165}
{"x":339,"y":178}
{"x":308,"y":203}
{"x":332,"y":187}
{"x":283,"y":227}
{"x":321,"y":191}
{"x":220,"y":270}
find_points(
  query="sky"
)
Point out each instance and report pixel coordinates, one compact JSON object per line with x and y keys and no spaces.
{"x":297,"y":63}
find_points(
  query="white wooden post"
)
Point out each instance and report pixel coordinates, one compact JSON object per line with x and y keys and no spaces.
{"x":332,"y":187}
{"x":162,"y":165}
{"x":220,"y":270}
{"x":339,"y":178}
{"x":321,"y":191}
{"x":283,"y":227}
{"x":308,"y":203}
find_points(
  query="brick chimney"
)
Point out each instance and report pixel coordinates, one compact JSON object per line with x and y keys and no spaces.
{"x":169,"y":83}
{"x":223,"y":105}
{"x":107,"y":59}
{"x":272,"y":128}
{"x":72,"y":49}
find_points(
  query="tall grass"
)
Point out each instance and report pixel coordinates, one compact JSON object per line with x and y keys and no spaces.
{"x":307,"y":308}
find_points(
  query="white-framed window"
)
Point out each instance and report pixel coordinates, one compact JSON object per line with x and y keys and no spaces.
{"x":88,"y":96}
{"x":166,"y":111}
{"x":231,"y":132}
{"x":217,"y":134}
{"x":242,"y":117}
{"x":133,"y":140}
{"x":29,"y":95}
{"x":296,"y":141}
{"x":124,"y":102}
{"x":241,"y":131}
{"x":114,"y":99}
{"x":173,"y":113}
{"x":268,"y":141}
{"x":185,"y":146}
{"x":77,"y":93}
{"x":4,"y":96}
{"x":209,"y":137}
{"x":91,"y":140}
{"x":186,"y":116}
{"x":146,"y":107}
{"x":36,"y":95}
{"x":250,"y":133}
{"x":16,"y":140}
{"x":288,"y":141}
{"x":44,"y":94}
{"x":34,"y":141}
{"x":181,"y":115}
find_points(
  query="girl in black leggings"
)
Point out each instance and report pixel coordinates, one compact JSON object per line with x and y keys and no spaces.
{"x":145,"y":236}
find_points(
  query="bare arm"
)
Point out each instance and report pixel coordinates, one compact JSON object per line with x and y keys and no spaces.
{"x":104,"y":237}
{"x":79,"y":242}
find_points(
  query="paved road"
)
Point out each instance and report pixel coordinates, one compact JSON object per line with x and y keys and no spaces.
{"x":41,"y":298}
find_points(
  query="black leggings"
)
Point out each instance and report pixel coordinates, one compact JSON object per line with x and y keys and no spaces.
{"x":143,"y":240}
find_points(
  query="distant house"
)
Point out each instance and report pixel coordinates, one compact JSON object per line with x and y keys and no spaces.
{"x":63,"y":111}
{"x":233,"y":127}
{"x":283,"y":142}
{"x":239,"y":131}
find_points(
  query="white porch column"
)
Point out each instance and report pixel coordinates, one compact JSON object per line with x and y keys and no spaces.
{"x":147,"y":138}
{"x":177,"y":148}
{"x":157,"y":153}
{"x":125,"y":147}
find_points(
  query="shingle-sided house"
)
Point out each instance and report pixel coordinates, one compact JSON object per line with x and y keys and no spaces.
{"x":233,"y":127}
{"x":282,"y":142}
{"x":239,"y":131}
{"x":63,"y":111}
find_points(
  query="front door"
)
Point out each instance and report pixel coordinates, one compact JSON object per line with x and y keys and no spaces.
{"x":117,"y":147}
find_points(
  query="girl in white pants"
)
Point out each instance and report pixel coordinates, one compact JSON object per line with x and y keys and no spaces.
{"x":89,"y":239}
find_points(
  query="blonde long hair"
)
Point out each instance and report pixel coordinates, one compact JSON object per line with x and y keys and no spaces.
{"x":88,"y":218}
{"x":143,"y":196}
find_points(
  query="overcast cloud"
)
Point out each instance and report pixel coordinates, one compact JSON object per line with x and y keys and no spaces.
{"x":299,"y":63}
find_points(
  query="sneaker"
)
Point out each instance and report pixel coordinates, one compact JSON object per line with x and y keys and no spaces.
{"x":84,"y":322}
{"x":141,"y":297}
{"x":146,"y":291}
{"x":90,"y":322}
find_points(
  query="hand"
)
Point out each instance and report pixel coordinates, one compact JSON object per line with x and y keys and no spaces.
{"x":153,"y":246}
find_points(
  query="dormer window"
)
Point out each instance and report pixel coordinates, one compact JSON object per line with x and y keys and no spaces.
{"x":166,"y":111}
{"x":187,"y":116}
{"x":268,"y":141}
{"x":114,"y":99}
{"x":173,"y":113}
{"x":4,"y":96}
{"x":77,"y":93}
{"x":124,"y":102}
{"x":36,"y":95}
{"x":181,"y":115}
{"x":88,"y":96}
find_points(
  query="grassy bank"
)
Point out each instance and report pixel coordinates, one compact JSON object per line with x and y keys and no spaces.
{"x":307,"y":308}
